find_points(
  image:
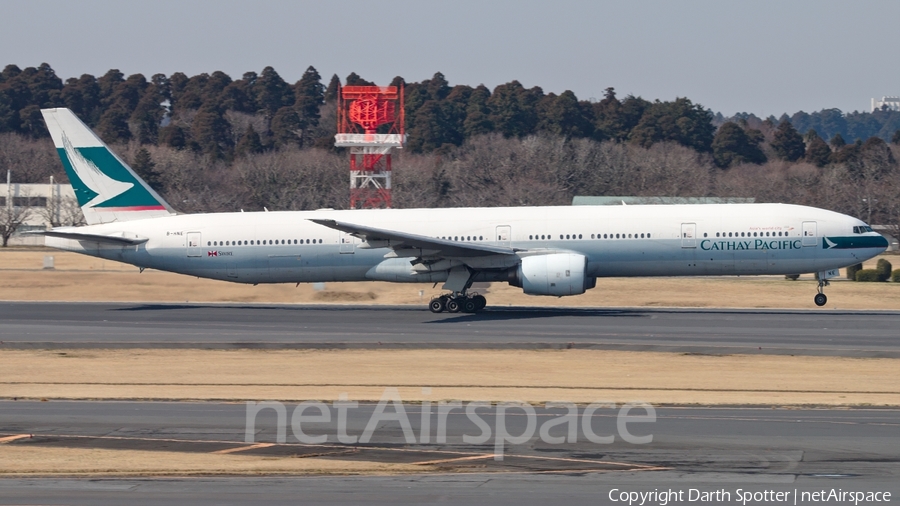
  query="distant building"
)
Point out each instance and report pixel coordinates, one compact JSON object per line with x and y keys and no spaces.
{"x":886,"y":103}
{"x":49,"y":205}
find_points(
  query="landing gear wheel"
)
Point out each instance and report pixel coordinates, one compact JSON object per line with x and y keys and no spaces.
{"x":480,"y":302}
{"x":820,"y":299}
{"x":452,"y":306}
{"x":469,"y":305}
{"x":437,"y":305}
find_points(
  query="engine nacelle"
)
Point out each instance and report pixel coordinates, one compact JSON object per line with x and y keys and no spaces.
{"x":554,"y":274}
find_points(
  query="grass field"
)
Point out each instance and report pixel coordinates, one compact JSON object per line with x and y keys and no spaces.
{"x":581,"y":376}
{"x":81,"y":278}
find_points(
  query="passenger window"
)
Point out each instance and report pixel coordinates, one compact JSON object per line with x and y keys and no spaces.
{"x":617,"y":236}
{"x":648,"y":236}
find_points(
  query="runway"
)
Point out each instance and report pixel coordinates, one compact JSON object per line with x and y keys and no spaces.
{"x":138,"y":325}
{"x":702,"y":448}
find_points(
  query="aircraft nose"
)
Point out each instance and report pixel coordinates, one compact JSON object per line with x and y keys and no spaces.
{"x":881,"y":242}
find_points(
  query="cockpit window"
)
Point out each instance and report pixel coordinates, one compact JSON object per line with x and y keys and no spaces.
{"x":862,"y":229}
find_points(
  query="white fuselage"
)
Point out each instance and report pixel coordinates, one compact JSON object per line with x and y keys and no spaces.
{"x":664,"y":240}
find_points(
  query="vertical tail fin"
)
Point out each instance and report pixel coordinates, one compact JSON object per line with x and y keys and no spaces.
{"x":106,"y":187}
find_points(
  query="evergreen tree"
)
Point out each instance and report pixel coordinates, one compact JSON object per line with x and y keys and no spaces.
{"x":177,"y":83}
{"x":212,"y":132}
{"x":113,"y":126}
{"x":285,"y":127}
{"x":817,"y":152}
{"x":145,"y":168}
{"x":108,"y":83}
{"x":733,"y":145}
{"x":191,"y":94}
{"x":240,"y":95}
{"x":354,"y":80}
{"x":680,"y":121}
{"x":608,"y":118}
{"x":334,"y":86}
{"x":788,"y":143}
{"x":249,"y":144}
{"x":172,"y":136}
{"x":837,"y":142}
{"x":215,"y":86}
{"x":272,"y":92}
{"x":564,"y":115}
{"x":512,"y":109}
{"x":477,"y":120}
{"x":895,"y":139}
{"x":310,"y":95}
{"x":31,"y":122}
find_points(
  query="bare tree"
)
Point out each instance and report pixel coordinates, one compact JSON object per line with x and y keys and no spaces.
{"x":13,"y":214}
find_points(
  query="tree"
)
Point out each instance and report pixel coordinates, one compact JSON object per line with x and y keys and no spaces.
{"x":788,"y":143}
{"x":817,"y":152}
{"x":172,"y":136}
{"x":145,"y":168}
{"x":837,"y":142}
{"x":334,"y":86}
{"x":733,"y":145}
{"x":477,"y":120}
{"x":512,"y":109}
{"x":212,"y":132}
{"x":310,"y":95}
{"x":113,"y":126}
{"x":249,"y":144}
{"x":285,"y":127}
{"x":680,"y":121}
{"x":13,"y":215}
{"x":272,"y":92}
{"x":895,"y":139}
{"x":354,"y":80}
{"x":564,"y":115}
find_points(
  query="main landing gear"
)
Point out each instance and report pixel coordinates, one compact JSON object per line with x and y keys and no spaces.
{"x":820,"y":298}
{"x":456,"y":302}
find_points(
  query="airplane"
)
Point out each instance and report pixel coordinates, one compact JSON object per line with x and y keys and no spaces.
{"x":551,"y":251}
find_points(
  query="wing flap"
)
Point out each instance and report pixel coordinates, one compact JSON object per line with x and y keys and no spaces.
{"x":399,"y":241}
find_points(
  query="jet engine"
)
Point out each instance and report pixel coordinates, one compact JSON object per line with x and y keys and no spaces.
{"x":554,"y":274}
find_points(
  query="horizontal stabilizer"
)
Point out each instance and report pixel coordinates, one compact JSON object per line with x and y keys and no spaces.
{"x":120,"y":240}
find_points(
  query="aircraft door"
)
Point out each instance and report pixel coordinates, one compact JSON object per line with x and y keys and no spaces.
{"x":194,"y":246}
{"x":809,"y":233}
{"x":348,"y":243}
{"x":688,"y":235}
{"x":504,"y":234}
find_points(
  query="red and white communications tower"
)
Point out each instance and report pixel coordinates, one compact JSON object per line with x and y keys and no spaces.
{"x":370,"y":123}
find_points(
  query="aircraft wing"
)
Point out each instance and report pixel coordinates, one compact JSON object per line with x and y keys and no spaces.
{"x":429,"y":246}
{"x":80,"y":236}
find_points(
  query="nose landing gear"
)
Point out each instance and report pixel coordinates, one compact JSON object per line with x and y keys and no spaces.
{"x":456,"y":302}
{"x":820,"y":299}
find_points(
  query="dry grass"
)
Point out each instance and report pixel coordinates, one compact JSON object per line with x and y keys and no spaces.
{"x":82,"y":278}
{"x":581,"y":376}
{"x":25,"y":460}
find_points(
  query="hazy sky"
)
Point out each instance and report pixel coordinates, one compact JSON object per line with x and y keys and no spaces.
{"x":765,"y":57}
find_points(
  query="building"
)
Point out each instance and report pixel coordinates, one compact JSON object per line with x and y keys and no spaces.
{"x":43,"y":206}
{"x":886,"y":103}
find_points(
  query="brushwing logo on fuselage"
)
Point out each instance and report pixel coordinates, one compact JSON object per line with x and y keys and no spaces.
{"x":94,"y":179}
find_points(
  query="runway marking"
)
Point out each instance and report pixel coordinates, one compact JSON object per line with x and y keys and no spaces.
{"x":457,"y":459}
{"x":244,"y":448}
{"x":8,"y":439}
